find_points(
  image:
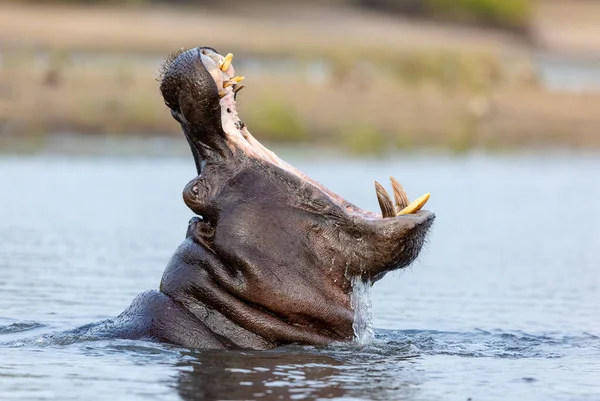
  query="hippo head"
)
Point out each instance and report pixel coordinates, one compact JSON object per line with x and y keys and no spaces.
{"x":273,"y":252}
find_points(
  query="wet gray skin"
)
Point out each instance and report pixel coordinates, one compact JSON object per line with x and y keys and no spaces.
{"x":270,"y":258}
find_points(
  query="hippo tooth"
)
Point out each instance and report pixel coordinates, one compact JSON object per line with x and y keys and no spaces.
{"x":416,"y":205}
{"x":232,"y":81}
{"x":238,"y":88}
{"x":385,"y":202}
{"x":226,"y":63}
{"x":222,"y":93}
{"x":399,"y":194}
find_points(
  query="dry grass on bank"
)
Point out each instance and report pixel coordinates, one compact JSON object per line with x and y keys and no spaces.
{"x":360,"y":108}
{"x":288,"y":29}
{"x":390,"y":84}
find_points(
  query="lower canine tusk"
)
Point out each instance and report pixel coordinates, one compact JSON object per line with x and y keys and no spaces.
{"x":415,"y":205}
{"x":399,"y":194}
{"x":232,"y":81}
{"x":385,"y":202}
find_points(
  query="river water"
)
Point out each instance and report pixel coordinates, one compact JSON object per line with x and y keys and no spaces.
{"x":502,"y":304}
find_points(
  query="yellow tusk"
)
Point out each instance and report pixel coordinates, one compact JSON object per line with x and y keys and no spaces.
{"x":222,"y":93}
{"x":232,"y":81}
{"x":415,"y":205}
{"x":226,"y":63}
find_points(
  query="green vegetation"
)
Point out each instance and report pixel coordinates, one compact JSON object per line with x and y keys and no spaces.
{"x":450,"y":70}
{"x":362,"y":138}
{"x":276,"y":122}
{"x":428,"y":98}
{"x":453,"y":96}
{"x":509,"y":14}
{"x":513,"y":14}
{"x":464,"y":137}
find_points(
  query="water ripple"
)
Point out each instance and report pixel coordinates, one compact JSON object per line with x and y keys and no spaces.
{"x":19,"y":327}
{"x":482,"y":343}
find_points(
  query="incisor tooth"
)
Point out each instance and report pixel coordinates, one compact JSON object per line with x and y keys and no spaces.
{"x":416,"y":205}
{"x":222,"y":93}
{"x":238,"y":88}
{"x":232,"y":81}
{"x":385,"y":202}
{"x":226,"y":63}
{"x":399,"y":194}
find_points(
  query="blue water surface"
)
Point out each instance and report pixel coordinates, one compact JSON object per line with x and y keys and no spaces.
{"x":502,"y":304}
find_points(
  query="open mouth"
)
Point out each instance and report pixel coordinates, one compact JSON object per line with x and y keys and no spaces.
{"x":238,"y":138}
{"x":271,"y":242}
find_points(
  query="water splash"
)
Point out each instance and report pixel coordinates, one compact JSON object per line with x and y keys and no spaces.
{"x":360,"y":300}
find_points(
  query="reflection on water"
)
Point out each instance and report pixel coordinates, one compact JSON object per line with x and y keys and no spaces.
{"x":279,"y":374}
{"x":501,"y":305}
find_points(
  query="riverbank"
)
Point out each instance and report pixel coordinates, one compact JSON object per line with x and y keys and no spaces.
{"x":340,"y":76}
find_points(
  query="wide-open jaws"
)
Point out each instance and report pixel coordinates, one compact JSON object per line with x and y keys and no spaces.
{"x":238,"y":138}
{"x":274,"y":252}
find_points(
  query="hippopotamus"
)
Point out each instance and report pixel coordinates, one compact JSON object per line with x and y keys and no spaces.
{"x":271,"y":256}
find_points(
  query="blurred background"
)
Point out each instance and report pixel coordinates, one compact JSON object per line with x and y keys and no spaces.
{"x":493,"y":106}
{"x":366,"y":76}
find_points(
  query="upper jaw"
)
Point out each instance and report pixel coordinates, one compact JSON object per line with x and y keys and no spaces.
{"x":220,"y":86}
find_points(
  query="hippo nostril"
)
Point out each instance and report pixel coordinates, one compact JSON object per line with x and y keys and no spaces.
{"x":195,"y":190}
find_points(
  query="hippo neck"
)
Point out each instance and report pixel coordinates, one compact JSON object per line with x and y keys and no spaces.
{"x":222,"y":326}
{"x":196,"y":279}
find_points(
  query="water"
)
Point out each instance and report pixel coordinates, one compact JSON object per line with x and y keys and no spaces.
{"x":360,"y":301}
{"x":502,"y":304}
{"x":559,"y":73}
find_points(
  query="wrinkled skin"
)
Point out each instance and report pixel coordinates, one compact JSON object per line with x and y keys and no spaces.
{"x":270,"y":259}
